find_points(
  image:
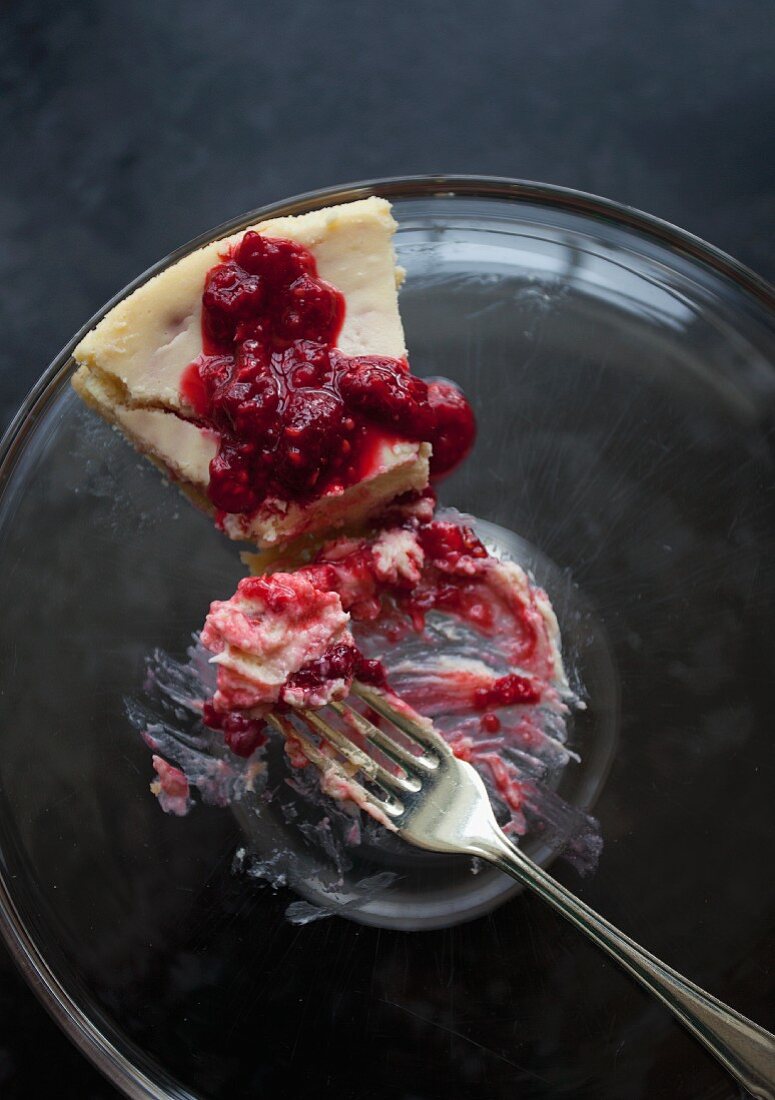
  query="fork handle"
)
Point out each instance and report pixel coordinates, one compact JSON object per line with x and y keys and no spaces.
{"x":747,"y":1050}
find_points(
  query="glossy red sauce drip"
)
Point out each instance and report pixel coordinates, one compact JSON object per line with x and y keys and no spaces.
{"x":295,"y":416}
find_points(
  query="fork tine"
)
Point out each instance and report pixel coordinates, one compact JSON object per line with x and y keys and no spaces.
{"x":308,"y":746}
{"x":400,"y":756}
{"x":413,"y":730}
{"x":360,"y":759}
{"x":379,"y":808}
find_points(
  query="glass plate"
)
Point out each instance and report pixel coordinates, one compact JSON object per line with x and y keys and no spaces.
{"x":622,"y":373}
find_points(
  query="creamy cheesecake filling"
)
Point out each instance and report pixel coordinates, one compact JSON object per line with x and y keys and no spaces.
{"x":280,"y":641}
{"x":270,"y":630}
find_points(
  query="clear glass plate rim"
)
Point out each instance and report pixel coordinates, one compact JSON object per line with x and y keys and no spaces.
{"x":397,"y":187}
{"x":87,"y":1036}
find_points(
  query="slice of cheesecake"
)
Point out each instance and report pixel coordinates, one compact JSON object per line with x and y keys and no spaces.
{"x":266,"y":374}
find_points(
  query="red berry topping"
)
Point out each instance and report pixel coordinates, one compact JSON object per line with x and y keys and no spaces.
{"x":235,"y":479}
{"x":295,"y":416}
{"x":508,"y":691}
{"x":371,"y":672}
{"x":311,"y":433}
{"x":279,"y":261}
{"x":454,"y":429}
{"x":230,"y":295}
{"x":390,"y":397}
{"x":312,"y":310}
{"x":243,"y":735}
{"x":337,"y":663}
{"x":445,"y":543}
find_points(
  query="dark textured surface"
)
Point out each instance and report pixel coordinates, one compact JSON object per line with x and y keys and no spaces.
{"x":128,"y":129}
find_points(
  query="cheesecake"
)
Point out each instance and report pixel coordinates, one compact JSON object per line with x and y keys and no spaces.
{"x":278,"y":639}
{"x":266,"y":374}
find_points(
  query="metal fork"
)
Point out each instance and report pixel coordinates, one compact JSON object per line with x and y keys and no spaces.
{"x":412,"y":782}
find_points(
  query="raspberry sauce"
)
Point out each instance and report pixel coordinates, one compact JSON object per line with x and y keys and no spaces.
{"x":243,"y":735}
{"x":296,"y":417}
{"x":339,"y":662}
{"x":507,"y":691}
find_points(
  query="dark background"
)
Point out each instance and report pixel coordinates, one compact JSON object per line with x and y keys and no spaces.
{"x":127,"y":129}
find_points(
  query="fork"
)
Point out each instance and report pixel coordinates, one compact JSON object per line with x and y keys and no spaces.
{"x":410,"y":780}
